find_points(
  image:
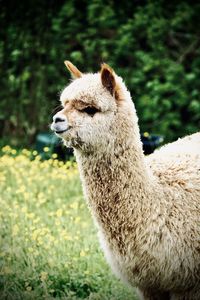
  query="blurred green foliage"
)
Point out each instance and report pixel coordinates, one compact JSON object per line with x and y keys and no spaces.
{"x":153,"y":45}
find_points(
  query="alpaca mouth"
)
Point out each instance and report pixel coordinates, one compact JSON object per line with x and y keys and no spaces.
{"x":60,"y":131}
{"x":64,"y":130}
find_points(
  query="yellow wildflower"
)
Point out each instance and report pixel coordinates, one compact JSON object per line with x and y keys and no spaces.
{"x":59,"y":213}
{"x":43,"y":276}
{"x":35,"y":152}
{"x":24,"y":209}
{"x":36,"y":220}
{"x":77,"y":220}
{"x":6,"y":149}
{"x":82,"y":253}
{"x":13,"y":151}
{"x":57,"y":222}
{"x":46,"y":149}
{"x":146,"y":134}
{"x":84,"y":224}
{"x":67,"y":237}
{"x":35,"y":234}
{"x":36,"y":253}
{"x":30,"y":215}
{"x":74,"y":205}
{"x":15,"y":230}
{"x":51,"y":238}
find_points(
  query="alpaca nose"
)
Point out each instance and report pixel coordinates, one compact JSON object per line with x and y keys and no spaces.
{"x":58,"y":119}
{"x":60,"y":123}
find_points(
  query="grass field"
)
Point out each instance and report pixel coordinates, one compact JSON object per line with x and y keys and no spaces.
{"x":48,"y":243}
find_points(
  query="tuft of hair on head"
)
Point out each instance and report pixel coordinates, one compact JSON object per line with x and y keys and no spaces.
{"x":73,"y":69}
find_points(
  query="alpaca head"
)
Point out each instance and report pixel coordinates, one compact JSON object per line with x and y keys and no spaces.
{"x":94,"y":109}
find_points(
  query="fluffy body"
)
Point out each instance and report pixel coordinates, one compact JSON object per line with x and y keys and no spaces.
{"x":146,"y":209}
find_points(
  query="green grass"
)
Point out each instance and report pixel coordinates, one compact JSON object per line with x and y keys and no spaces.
{"x":48,"y":246}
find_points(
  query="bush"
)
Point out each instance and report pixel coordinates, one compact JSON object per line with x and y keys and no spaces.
{"x":154,"y":46}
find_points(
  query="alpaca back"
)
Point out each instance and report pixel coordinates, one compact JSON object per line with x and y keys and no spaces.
{"x":178,"y":164}
{"x":176,"y":168}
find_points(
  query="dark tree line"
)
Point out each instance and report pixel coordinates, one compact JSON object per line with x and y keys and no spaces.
{"x":153,"y":45}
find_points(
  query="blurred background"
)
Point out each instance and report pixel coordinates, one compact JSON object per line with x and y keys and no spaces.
{"x":153,"y":45}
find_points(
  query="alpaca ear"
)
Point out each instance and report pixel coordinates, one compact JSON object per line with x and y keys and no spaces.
{"x":108,"y":78}
{"x":73,"y":70}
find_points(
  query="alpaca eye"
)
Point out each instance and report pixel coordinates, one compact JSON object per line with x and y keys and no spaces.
{"x":90,"y":110}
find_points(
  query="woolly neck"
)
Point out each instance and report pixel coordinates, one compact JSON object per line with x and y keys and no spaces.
{"x":118,"y":188}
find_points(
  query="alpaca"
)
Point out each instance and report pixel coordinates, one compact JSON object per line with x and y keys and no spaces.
{"x":146,"y":209}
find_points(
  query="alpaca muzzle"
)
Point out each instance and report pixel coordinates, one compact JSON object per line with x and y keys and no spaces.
{"x":60,"y":124}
